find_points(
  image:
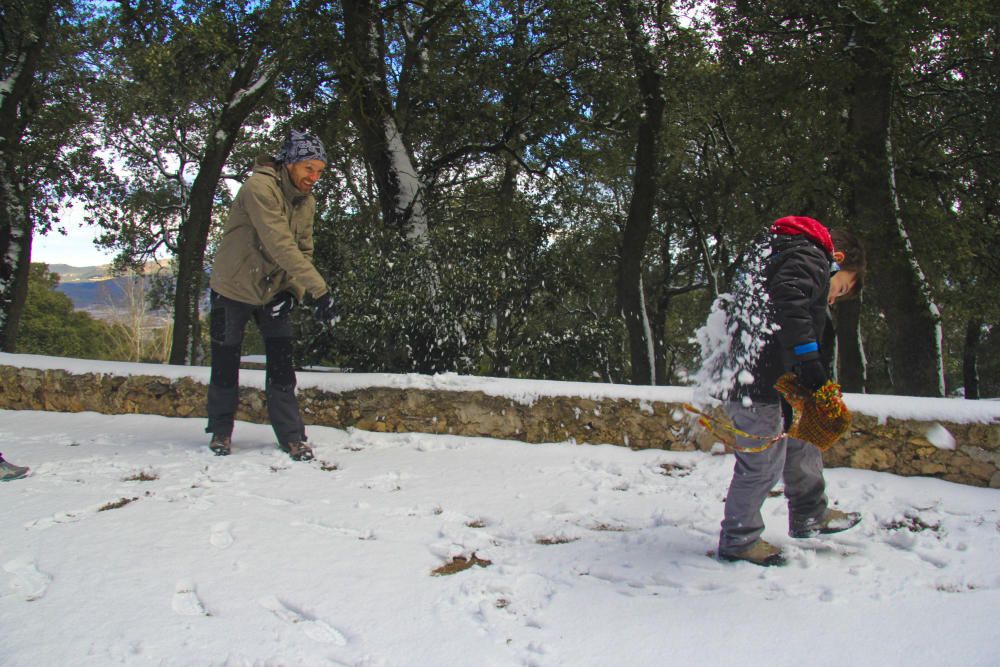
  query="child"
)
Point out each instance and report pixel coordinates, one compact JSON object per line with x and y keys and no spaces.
{"x":783,"y":324}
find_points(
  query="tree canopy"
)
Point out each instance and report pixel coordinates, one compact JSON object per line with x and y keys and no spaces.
{"x":536,"y":188}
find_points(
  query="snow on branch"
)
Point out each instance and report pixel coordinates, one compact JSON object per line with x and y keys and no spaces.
{"x":266,"y":76}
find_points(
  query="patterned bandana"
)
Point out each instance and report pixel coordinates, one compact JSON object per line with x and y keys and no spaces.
{"x":301,"y":146}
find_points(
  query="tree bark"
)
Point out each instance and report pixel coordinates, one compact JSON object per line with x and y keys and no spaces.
{"x":851,"y":366}
{"x":16,"y":225}
{"x":502,"y":314}
{"x":894,"y":276}
{"x":250,"y":83}
{"x":400,"y":188}
{"x":663,"y":298}
{"x":14,"y":277}
{"x":970,"y":358}
{"x":191,"y":253}
{"x":631,"y":297}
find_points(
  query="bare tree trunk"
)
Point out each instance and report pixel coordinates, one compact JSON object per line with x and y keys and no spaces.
{"x":15,"y":231}
{"x":28,"y":25}
{"x":970,"y":358}
{"x":663,"y":298}
{"x":250,"y":83}
{"x":851,"y":366}
{"x":191,"y":254}
{"x":895,"y":277}
{"x":400,"y":188}
{"x":631,"y":297}
{"x":381,"y":127}
{"x":15,"y":242}
{"x":505,"y":212}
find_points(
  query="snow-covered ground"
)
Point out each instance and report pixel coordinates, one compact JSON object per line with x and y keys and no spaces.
{"x":131,"y":544}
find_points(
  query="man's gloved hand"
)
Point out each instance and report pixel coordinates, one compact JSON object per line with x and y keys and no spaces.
{"x":812,"y":375}
{"x":324,"y":311}
{"x":280,"y":306}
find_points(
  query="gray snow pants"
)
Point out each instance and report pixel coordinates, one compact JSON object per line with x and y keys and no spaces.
{"x":228,"y":323}
{"x":799,"y":463}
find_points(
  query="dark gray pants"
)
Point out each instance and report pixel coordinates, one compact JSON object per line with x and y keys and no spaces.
{"x":799,"y":463}
{"x":228,"y":323}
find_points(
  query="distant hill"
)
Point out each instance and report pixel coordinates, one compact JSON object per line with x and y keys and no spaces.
{"x":92,"y":288}
{"x":68,"y":274}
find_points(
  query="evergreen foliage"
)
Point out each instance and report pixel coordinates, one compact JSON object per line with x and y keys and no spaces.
{"x":52,"y":327}
{"x":494,"y":202}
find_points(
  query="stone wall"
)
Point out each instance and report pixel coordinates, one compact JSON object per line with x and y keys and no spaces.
{"x":897,"y":446}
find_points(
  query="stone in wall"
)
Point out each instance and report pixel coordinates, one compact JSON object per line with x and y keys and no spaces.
{"x":896,"y":446}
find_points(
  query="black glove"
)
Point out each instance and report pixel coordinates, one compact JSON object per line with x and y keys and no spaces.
{"x":280,"y":306}
{"x":811,"y":374}
{"x":324,"y":311}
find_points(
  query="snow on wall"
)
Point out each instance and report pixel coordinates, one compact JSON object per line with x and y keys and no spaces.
{"x":522,"y":391}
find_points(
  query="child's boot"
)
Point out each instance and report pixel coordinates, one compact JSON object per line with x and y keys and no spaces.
{"x":760,"y":553}
{"x":10,"y":472}
{"x":832,"y":521}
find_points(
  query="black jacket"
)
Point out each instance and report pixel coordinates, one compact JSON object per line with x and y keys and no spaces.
{"x":796,"y":283}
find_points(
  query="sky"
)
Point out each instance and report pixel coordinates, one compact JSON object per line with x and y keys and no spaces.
{"x":75,"y":248}
{"x":131,"y":544}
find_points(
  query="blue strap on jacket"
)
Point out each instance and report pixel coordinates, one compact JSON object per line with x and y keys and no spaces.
{"x":806,"y":348}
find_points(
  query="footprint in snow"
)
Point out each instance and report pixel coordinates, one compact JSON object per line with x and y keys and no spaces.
{"x":315,"y":629}
{"x":49,"y":521}
{"x":221,"y":538}
{"x":186,"y":601}
{"x":27,"y":582}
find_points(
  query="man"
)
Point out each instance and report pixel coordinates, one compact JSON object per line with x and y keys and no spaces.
{"x":784,"y":325}
{"x":262,"y":269}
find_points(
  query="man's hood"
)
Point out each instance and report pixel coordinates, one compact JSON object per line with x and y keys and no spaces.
{"x":277,"y":171}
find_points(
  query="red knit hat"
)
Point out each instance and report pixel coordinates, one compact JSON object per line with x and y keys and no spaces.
{"x":799,"y":224}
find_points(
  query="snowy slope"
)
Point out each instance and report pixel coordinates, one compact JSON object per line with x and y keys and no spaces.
{"x":597,"y":556}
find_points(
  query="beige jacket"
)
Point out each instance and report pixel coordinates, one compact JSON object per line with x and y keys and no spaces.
{"x":267,"y":244}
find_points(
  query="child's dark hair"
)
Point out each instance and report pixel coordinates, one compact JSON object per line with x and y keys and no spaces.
{"x":854,"y":258}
